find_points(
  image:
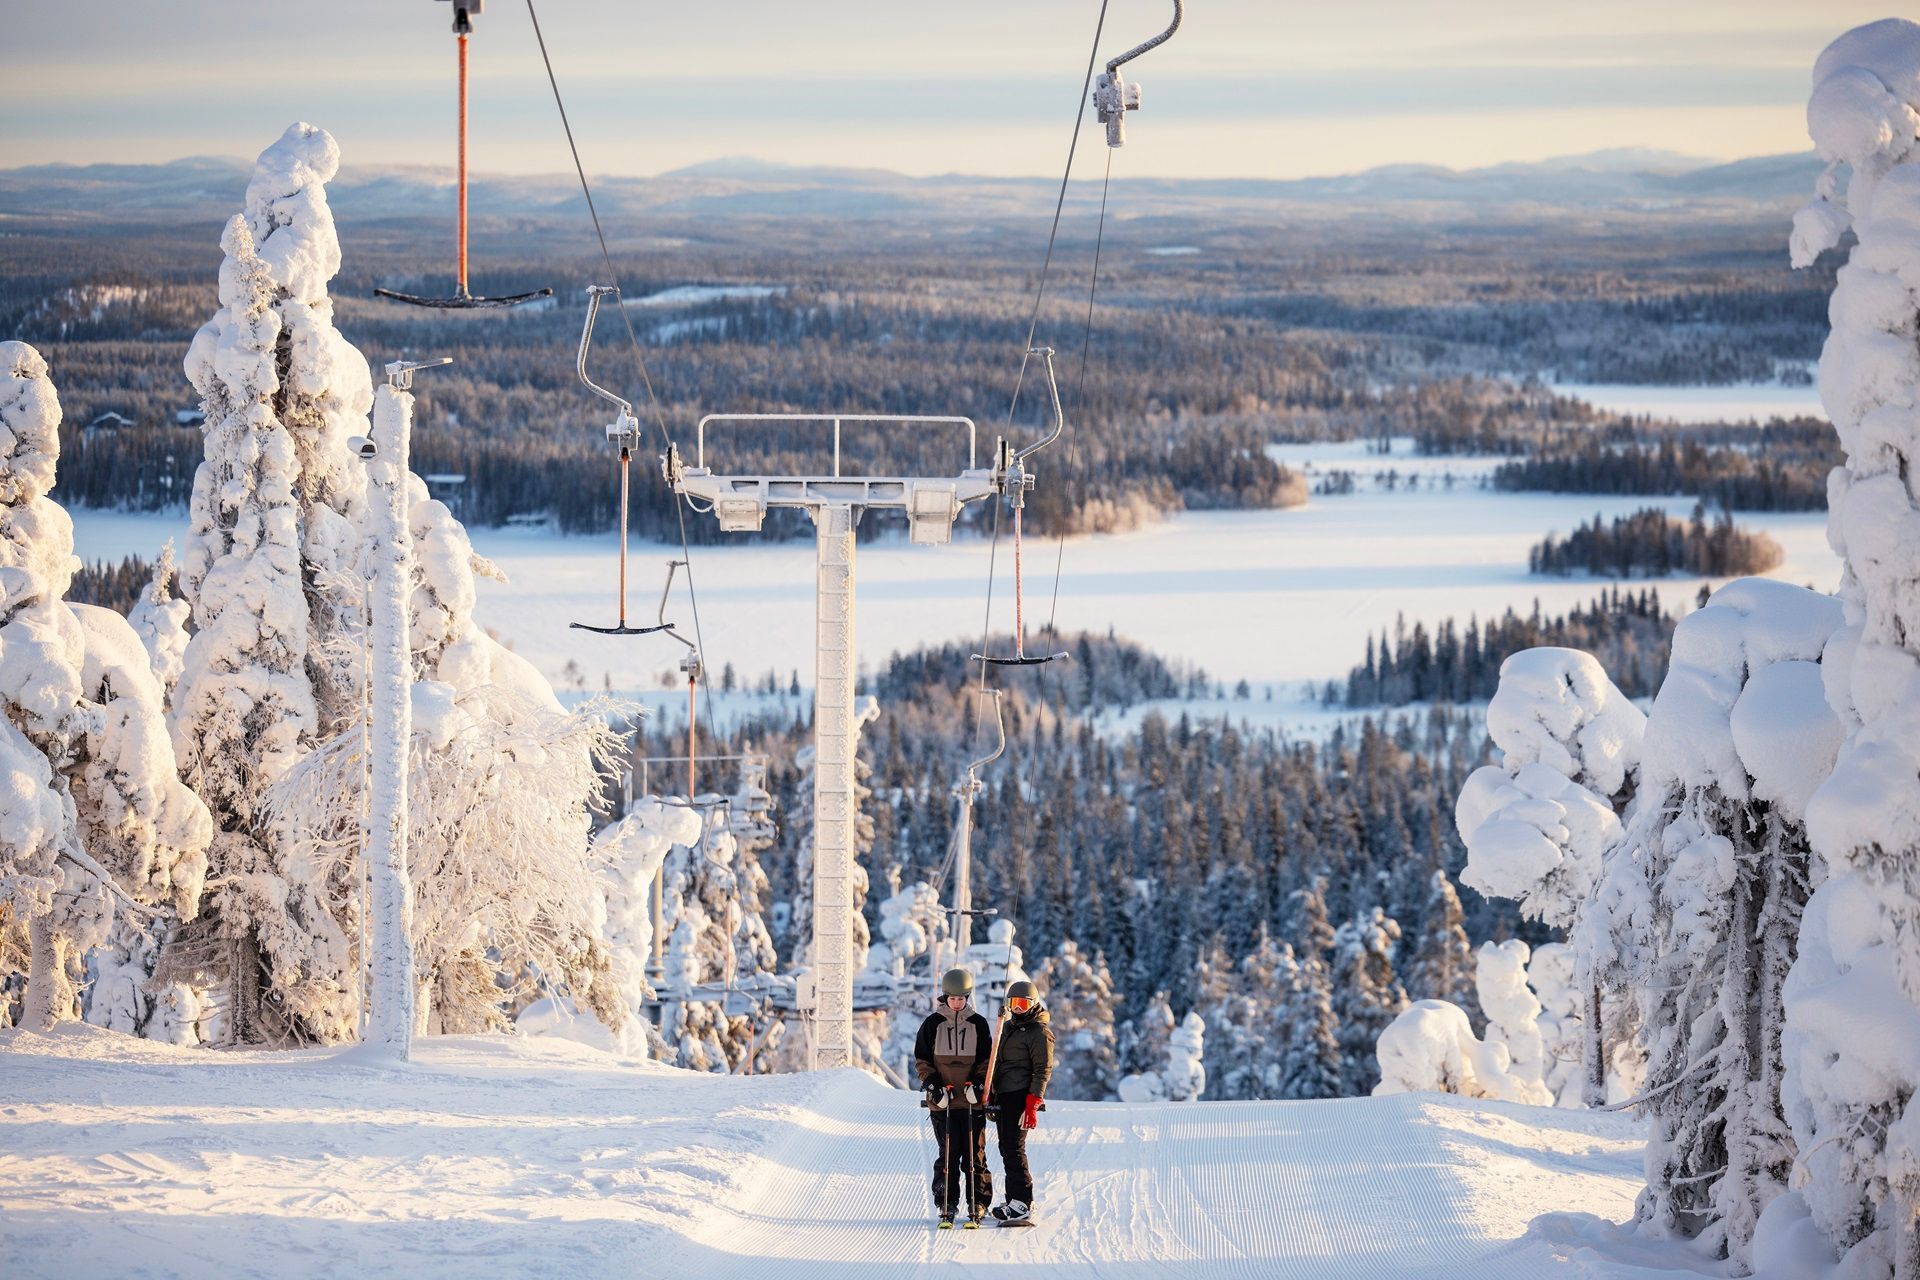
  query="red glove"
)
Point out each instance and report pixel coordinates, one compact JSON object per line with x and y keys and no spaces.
{"x":1030,"y":1118}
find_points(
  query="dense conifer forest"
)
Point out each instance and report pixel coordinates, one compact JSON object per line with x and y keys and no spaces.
{"x":1652,"y":544}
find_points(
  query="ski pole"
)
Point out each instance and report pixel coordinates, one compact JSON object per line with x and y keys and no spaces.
{"x":946,"y":1158}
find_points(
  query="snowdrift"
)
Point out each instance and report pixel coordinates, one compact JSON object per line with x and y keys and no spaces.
{"x":534,"y":1156}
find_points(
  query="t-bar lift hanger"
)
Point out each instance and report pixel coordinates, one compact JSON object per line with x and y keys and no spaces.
{"x":1113,"y":97}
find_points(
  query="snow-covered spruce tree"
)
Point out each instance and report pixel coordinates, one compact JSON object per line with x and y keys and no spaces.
{"x":626,"y":854}
{"x":1551,"y":975}
{"x":141,"y":822}
{"x":273,"y":668}
{"x":1539,"y":824}
{"x":1696,"y":913}
{"x":1366,"y":995}
{"x":1079,"y":994}
{"x":1143,"y":1040}
{"x":912,"y":927}
{"x":1186,"y":1072}
{"x":159,"y":618}
{"x":1853,"y":997}
{"x":92,"y":811}
{"x":1500,"y":979}
{"x":1311,"y":1063}
{"x":1430,"y":1048}
{"x":716,"y":937}
{"x":1443,"y":965}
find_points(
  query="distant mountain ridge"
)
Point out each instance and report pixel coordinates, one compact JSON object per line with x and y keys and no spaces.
{"x":1622,"y":179}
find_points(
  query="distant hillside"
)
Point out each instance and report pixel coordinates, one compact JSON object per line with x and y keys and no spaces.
{"x":1622,"y":180}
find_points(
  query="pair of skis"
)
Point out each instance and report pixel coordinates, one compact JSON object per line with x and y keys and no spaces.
{"x":974,"y":1156}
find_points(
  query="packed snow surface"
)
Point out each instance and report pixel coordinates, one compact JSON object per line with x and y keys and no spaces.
{"x":516,"y":1156}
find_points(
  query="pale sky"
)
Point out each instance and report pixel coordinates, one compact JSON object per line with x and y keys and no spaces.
{"x":1249,"y":88}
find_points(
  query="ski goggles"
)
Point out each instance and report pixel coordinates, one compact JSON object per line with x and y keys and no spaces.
{"x":1019,"y":1004}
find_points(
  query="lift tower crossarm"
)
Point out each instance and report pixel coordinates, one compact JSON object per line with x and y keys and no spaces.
{"x":835,"y":501}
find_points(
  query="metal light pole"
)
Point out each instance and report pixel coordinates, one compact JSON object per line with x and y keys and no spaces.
{"x":390,"y":716}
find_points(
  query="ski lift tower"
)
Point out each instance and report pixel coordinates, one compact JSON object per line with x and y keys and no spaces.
{"x":835,"y":502}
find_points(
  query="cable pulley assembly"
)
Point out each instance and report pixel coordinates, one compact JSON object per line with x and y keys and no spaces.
{"x":624,"y":431}
{"x":1014,"y":480}
{"x":1113,"y":96}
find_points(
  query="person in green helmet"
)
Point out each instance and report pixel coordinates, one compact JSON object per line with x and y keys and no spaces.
{"x":1020,"y":1076}
{"x":950,"y":1055}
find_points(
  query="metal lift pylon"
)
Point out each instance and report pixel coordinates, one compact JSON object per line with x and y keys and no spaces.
{"x":835,"y":502}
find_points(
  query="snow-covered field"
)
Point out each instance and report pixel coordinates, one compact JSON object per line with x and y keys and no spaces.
{"x":520,"y":1157}
{"x":1273,"y":597}
{"x":1741,"y":403}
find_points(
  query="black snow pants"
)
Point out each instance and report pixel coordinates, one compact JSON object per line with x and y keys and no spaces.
{"x":1013,"y":1145}
{"x":961,"y":1134}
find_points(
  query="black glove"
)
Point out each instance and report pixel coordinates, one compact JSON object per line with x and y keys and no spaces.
{"x":935,"y":1097}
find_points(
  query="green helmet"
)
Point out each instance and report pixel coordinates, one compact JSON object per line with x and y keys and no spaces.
{"x":956,"y":982}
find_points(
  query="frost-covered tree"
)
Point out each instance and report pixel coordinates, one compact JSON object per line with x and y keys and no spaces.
{"x":1430,"y":1048}
{"x":273,"y":668}
{"x":1366,"y":995}
{"x":1186,"y":1071}
{"x":1080,"y":1000}
{"x":1697,"y":912}
{"x":1852,"y":1002}
{"x":1551,"y":975}
{"x":507,"y":900}
{"x":159,"y":618}
{"x":92,"y":811}
{"x":1539,"y":825}
{"x":1513,"y":1013}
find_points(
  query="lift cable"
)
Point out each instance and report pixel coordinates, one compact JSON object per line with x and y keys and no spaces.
{"x":1079,"y":391}
{"x":646,"y":380}
{"x":1033,"y":324}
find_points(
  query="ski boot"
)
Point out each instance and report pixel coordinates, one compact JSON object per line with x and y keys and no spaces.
{"x":1014,"y":1213}
{"x":946,"y":1219}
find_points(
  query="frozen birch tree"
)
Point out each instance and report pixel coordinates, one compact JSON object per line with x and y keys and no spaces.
{"x":273,"y":669}
{"x":91,"y":811}
{"x":1697,"y":912}
{"x":1853,"y":998}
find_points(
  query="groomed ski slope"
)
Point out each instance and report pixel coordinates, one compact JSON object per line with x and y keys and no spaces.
{"x":499,"y":1156}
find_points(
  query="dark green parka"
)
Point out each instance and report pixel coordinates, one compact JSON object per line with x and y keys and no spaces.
{"x":1025,"y":1063}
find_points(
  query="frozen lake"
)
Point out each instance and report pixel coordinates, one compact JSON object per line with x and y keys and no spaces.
{"x":1739,"y":403}
{"x":1273,"y":597}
